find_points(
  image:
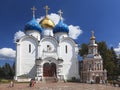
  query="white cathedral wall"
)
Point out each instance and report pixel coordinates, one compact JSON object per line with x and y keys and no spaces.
{"x":27,"y":59}
{"x":70,"y":63}
{"x":50,"y":51}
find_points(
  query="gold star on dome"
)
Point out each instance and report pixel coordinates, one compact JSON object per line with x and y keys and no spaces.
{"x":46,"y":9}
{"x":33,"y":10}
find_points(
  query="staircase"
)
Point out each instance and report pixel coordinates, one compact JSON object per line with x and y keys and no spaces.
{"x":49,"y":79}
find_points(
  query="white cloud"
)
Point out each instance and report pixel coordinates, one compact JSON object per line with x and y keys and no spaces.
{"x":74,"y":31}
{"x":18,"y":35}
{"x":117,"y":50}
{"x":7,"y":53}
{"x":54,"y":17}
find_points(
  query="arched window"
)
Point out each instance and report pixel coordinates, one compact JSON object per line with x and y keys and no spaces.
{"x":66,"y":49}
{"x":48,"y":48}
{"x":29,"y":48}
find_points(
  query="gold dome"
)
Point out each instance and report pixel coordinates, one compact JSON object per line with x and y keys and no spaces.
{"x":47,"y":23}
{"x":92,"y":38}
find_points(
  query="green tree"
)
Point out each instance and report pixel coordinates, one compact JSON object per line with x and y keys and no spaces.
{"x":84,"y":49}
{"x":7,"y":71}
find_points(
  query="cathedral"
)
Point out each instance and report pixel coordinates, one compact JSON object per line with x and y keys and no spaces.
{"x":41,"y":56}
{"x":91,"y":67}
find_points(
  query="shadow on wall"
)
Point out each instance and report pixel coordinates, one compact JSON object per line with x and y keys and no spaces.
{"x":32,"y":72}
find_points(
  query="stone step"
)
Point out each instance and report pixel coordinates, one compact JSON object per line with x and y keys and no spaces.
{"x":50,"y":79}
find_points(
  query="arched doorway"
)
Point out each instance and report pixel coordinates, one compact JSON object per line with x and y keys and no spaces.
{"x":49,"y":70}
{"x":97,"y":80}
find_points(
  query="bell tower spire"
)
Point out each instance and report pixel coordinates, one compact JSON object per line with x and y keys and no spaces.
{"x":92,"y":37}
{"x":92,"y":48}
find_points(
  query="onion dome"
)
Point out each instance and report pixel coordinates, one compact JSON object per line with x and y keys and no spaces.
{"x":61,"y":27}
{"x":47,"y":23}
{"x":33,"y":25}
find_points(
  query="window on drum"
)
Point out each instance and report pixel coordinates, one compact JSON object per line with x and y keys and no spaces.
{"x":29,"y":48}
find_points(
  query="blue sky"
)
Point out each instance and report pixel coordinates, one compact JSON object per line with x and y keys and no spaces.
{"x":102,"y":16}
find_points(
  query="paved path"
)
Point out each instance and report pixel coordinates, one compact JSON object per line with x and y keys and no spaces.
{"x":58,"y":86}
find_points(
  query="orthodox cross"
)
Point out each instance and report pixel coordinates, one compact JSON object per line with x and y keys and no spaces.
{"x":46,"y":8}
{"x":92,"y":33}
{"x":33,"y":10}
{"x":60,"y":13}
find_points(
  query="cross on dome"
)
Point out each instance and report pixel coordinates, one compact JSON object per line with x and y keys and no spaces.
{"x":46,"y":9}
{"x":33,"y":10}
{"x":92,"y":33}
{"x":60,"y":13}
{"x":92,"y":37}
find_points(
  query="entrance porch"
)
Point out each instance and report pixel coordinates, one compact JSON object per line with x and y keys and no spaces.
{"x":49,"y":69}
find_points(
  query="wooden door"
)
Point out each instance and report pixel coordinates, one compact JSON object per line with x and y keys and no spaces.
{"x":49,"y":69}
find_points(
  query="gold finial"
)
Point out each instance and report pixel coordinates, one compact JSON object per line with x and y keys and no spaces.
{"x":60,"y":13}
{"x":33,"y":10}
{"x":46,"y":8}
{"x":92,"y":37}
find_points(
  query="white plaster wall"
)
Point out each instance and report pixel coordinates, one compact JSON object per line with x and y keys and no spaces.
{"x":70,"y":64}
{"x":34,"y":33}
{"x":44,"y":52}
{"x":17,"y":61}
{"x":70,"y":50}
{"x":27,"y":59}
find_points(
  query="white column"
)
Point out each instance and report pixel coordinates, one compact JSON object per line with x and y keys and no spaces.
{"x":38,"y":52}
{"x":58,"y":51}
{"x":17,"y":61}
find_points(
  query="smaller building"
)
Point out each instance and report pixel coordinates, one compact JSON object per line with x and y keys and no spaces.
{"x":91,"y":67}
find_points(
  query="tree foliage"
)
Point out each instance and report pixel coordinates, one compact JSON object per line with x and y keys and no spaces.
{"x":84,"y":49}
{"x":7,"y":71}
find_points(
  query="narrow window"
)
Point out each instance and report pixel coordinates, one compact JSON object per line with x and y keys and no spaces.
{"x":48,"y":47}
{"x":66,"y":49}
{"x":29,"y":48}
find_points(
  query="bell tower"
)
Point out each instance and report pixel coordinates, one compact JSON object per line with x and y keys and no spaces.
{"x":93,"y":47}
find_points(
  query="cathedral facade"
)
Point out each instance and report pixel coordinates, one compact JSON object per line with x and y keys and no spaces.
{"x":40,"y":55}
{"x":91,"y":67}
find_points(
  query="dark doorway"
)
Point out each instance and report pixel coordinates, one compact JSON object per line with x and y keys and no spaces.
{"x":49,"y":70}
{"x":97,"y":80}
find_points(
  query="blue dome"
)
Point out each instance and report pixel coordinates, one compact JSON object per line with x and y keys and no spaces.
{"x":61,"y":27}
{"x":33,"y":25}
